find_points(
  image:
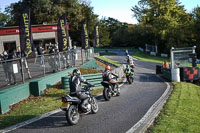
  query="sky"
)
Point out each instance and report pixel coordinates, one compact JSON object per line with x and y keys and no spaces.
{"x":117,"y":9}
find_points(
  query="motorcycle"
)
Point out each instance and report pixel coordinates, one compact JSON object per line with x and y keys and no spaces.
{"x":129,"y":75}
{"x":110,"y":90}
{"x":72,"y":106}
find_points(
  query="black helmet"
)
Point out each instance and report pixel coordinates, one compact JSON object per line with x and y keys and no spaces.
{"x":76,"y":72}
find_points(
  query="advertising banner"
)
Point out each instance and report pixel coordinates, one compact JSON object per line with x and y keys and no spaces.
{"x":25,"y":32}
{"x":63,"y":34}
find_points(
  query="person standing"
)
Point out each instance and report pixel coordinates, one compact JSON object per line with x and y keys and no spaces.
{"x":74,"y":54}
{"x":4,"y":57}
{"x":165,"y":64}
{"x":10,"y":68}
{"x":40,"y":54}
{"x":22,"y":55}
{"x":67,"y":54}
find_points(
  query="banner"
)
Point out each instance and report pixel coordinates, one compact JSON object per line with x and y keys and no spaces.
{"x":63,"y":34}
{"x":96,"y":36}
{"x":85,"y":36}
{"x":25,"y":32}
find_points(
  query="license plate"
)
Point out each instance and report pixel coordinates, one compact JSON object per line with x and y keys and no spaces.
{"x":65,"y":105}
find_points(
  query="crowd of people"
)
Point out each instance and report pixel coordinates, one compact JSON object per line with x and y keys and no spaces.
{"x":56,"y":60}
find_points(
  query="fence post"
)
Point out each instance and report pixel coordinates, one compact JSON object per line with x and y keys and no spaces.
{"x":43,"y":65}
{"x":22,"y":69}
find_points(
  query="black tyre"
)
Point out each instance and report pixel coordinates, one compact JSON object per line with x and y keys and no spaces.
{"x":132,"y":78}
{"x":129,"y":79}
{"x":72,"y":115}
{"x":106,"y":94}
{"x":95,"y":106}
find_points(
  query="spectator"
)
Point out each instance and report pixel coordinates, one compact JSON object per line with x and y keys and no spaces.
{"x":74,"y":54}
{"x":22,"y":55}
{"x":4,"y":57}
{"x":40,"y":54}
{"x":87,"y":54}
{"x":10,"y":68}
{"x":165,"y":64}
{"x":63,"y":59}
{"x":52,"y":59}
{"x":67,"y":54}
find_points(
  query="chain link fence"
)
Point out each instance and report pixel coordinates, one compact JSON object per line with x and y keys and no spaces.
{"x":20,"y":70}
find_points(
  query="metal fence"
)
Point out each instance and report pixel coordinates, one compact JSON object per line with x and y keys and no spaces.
{"x":20,"y":70}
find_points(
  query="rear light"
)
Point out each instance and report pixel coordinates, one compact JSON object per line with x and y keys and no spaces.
{"x":64,"y":99}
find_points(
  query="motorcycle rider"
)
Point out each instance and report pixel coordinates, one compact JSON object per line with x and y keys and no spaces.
{"x":128,"y":69}
{"x":76,"y":89}
{"x":130,"y":62}
{"x":107,"y":76}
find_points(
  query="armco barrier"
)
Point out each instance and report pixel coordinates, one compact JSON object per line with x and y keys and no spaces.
{"x":91,"y":78}
{"x":12,"y":96}
{"x":38,"y":86}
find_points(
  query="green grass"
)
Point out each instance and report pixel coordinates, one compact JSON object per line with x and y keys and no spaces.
{"x":32,"y":107}
{"x":105,"y":53}
{"x":144,"y":57}
{"x":181,"y":114}
{"x":110,"y":61}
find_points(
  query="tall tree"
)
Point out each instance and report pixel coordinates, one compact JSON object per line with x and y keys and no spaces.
{"x":104,"y":34}
{"x":196,"y":28}
{"x":4,"y":18}
{"x":48,"y":11}
{"x":164,"y":16}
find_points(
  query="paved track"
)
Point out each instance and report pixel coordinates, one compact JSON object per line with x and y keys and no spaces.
{"x":115,"y":116}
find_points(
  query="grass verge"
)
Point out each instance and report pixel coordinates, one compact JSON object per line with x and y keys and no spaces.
{"x":109,"y":60}
{"x":181,"y":112}
{"x":144,"y":57}
{"x":105,"y":53}
{"x":32,"y":107}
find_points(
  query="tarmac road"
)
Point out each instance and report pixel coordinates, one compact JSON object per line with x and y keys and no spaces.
{"x":115,"y":116}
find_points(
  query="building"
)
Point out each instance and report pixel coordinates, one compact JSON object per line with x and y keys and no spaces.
{"x":42,"y":34}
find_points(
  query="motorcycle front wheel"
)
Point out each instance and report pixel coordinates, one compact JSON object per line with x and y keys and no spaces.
{"x":95,"y":106}
{"x":72,"y":115}
{"x":129,"y":79}
{"x":106,"y":94}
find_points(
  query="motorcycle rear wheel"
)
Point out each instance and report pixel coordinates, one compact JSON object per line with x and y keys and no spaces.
{"x":72,"y":115}
{"x":106,"y":94}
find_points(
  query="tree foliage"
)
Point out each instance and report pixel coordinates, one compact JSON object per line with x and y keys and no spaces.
{"x":49,"y":11}
{"x":168,"y":20}
{"x":3,"y":19}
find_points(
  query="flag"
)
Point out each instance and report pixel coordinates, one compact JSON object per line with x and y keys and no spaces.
{"x":63,"y":34}
{"x":96,"y":36}
{"x":85,"y":36}
{"x":25,"y":32}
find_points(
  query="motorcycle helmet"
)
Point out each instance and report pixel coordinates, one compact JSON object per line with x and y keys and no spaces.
{"x":76,"y":72}
{"x":107,"y":67}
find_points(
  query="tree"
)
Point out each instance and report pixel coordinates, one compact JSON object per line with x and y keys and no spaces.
{"x":104,"y":34}
{"x":3,"y":19}
{"x":48,"y":11}
{"x":196,"y":28}
{"x":165,"y":17}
